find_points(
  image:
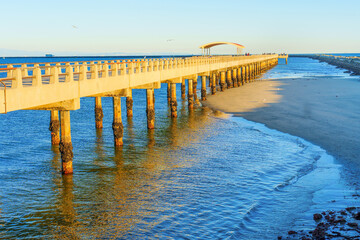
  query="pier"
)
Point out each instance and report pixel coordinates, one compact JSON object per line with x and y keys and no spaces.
{"x":58,"y":87}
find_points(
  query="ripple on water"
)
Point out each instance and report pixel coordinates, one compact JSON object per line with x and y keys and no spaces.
{"x":202,"y":177}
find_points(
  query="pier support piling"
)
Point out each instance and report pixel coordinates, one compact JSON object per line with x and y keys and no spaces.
{"x":203,"y":88}
{"x":117,"y":125}
{"x":190,"y":94}
{"x":228,"y":79}
{"x":129,"y":106}
{"x":65,"y":147}
{"x":234,"y":78}
{"x":196,"y":99}
{"x":150,"y":108}
{"x":213,"y":84}
{"x":222,"y":81}
{"x":54,"y":127}
{"x":183,"y":92}
{"x":168,"y":92}
{"x":173,"y":102}
{"x":98,"y":113}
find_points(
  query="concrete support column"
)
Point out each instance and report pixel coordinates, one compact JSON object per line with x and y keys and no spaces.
{"x":173,"y":102}
{"x":196,"y":99}
{"x":183,"y":92}
{"x":168,"y":92}
{"x":203,"y":88}
{"x":66,"y":148}
{"x":234,"y":77}
{"x":117,"y":126}
{"x":213,"y":84}
{"x":54,"y":127}
{"x":98,"y":113}
{"x":190,"y":94}
{"x":150,"y":108}
{"x":222,"y":80}
{"x":239,"y":83}
{"x":228,"y":79}
{"x":252,"y":72}
{"x":129,"y":106}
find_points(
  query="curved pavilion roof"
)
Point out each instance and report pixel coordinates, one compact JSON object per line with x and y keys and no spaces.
{"x":209,"y":45}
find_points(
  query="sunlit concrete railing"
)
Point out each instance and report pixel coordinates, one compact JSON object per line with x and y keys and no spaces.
{"x":61,"y":85}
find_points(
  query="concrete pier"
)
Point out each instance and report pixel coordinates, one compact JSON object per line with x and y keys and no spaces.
{"x":190,"y":94}
{"x":98,"y":113}
{"x":54,"y":127}
{"x":117,"y":125}
{"x":59,"y":86}
{"x":173,"y":101}
{"x":150,"y":108}
{"x":66,"y":148}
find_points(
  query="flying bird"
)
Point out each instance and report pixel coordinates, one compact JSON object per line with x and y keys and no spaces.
{"x":169,"y":40}
{"x":75,"y":27}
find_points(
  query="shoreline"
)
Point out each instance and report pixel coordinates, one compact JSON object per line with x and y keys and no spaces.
{"x":319,"y":110}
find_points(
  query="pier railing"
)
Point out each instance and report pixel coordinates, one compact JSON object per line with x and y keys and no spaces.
{"x":39,"y":84}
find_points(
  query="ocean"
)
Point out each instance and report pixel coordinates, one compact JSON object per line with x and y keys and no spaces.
{"x":203,"y":176}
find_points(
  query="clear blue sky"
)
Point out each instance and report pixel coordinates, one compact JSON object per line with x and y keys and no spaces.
{"x":110,"y":26}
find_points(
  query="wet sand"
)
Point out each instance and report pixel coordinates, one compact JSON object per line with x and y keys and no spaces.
{"x":324,"y":111}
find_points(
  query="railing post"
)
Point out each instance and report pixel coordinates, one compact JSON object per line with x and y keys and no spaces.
{"x":36,"y":77}
{"x":47,"y":69}
{"x":105,"y":70}
{"x":94,"y":71}
{"x":24,"y":70}
{"x":83,"y":72}
{"x":17,"y":83}
{"x":69,"y":73}
{"x":54,"y":75}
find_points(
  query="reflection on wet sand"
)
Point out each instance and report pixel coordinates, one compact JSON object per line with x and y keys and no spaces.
{"x":246,"y":98}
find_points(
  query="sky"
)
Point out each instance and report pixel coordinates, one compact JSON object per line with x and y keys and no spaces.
{"x":116,"y":27}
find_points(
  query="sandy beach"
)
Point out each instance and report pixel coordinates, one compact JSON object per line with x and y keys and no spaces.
{"x":324,"y":111}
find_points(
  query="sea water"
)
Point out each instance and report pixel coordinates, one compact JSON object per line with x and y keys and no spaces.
{"x":202,"y":176}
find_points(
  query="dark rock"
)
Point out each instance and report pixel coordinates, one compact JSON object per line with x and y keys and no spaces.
{"x":357,"y":216}
{"x":317,"y":216}
{"x":292,"y":232}
{"x":349,"y":209}
{"x":279,"y":237}
{"x":354,"y":225}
